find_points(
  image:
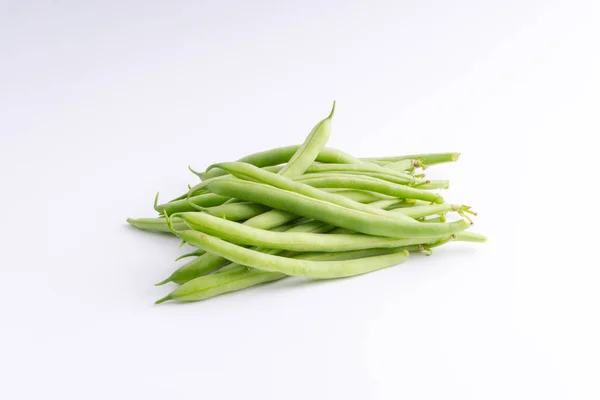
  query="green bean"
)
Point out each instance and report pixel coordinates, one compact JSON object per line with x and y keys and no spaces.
{"x":293,"y":241}
{"x":372,"y":184}
{"x":153,"y":224}
{"x":213,"y":285}
{"x":289,"y":266}
{"x":470,"y":237}
{"x":385,"y":177}
{"x":309,"y":150}
{"x":369,"y":196}
{"x":359,"y":169}
{"x":237,"y":211}
{"x":427,"y":159}
{"x":203,"y":265}
{"x":202,"y":200}
{"x":403,"y":165}
{"x":331,"y":213}
{"x":433,"y":184}
{"x":247,"y":171}
{"x":431,"y":209}
{"x":386,"y":204}
{"x":360,"y":196}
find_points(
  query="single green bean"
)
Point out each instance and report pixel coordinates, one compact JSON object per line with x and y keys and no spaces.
{"x":431,"y":209}
{"x":432,"y":185}
{"x":372,"y":184}
{"x":361,"y":196}
{"x":202,"y":200}
{"x":309,"y":150}
{"x":359,"y":169}
{"x":427,"y":159}
{"x":154,"y":224}
{"x":208,"y":286}
{"x":403,"y":165}
{"x":237,"y":211}
{"x":331,"y":213}
{"x":382,"y":176}
{"x":293,"y":241}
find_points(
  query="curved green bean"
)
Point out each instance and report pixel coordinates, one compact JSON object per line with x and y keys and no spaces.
{"x":309,"y":150}
{"x":331,"y":213}
{"x":371,"y":184}
{"x":293,"y":241}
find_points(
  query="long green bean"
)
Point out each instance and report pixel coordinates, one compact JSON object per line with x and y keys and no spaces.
{"x":293,"y":241}
{"x":427,"y":159}
{"x":372,"y":184}
{"x":331,"y":213}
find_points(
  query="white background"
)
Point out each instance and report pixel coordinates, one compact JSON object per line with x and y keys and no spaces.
{"x":104,"y":103}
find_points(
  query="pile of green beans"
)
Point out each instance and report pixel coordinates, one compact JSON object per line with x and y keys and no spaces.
{"x":305,"y":210}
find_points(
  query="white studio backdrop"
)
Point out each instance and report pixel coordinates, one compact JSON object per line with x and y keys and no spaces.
{"x":104,"y":103}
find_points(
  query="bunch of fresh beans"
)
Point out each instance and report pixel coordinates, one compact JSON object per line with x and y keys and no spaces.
{"x":305,"y":210}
